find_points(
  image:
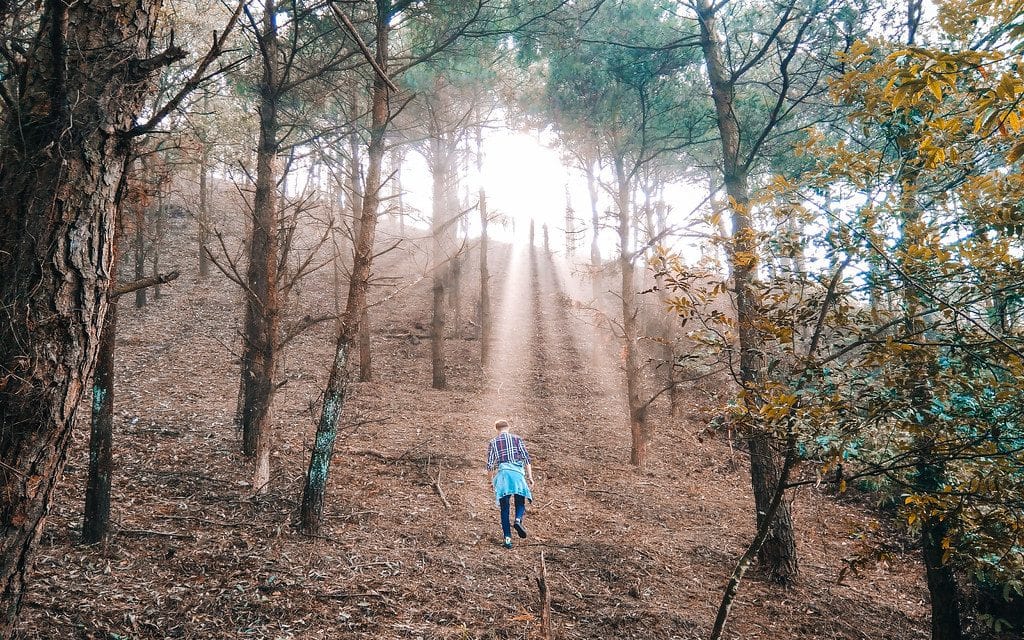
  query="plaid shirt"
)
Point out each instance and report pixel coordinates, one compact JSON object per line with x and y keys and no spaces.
{"x":506,"y":447}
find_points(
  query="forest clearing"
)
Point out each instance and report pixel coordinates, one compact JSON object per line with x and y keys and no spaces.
{"x":719,"y":302}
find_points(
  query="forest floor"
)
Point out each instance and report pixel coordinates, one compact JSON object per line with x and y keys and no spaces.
{"x":628,"y":554}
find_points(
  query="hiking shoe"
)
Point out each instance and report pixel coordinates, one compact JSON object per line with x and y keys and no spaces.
{"x":508,"y":543}
{"x":520,"y":529}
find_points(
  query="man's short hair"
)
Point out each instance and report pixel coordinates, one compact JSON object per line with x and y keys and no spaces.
{"x":501,"y":424}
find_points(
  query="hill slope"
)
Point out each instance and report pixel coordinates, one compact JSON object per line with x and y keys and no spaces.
{"x":411,"y":545}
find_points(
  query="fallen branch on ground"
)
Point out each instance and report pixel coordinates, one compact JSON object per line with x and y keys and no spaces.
{"x":545,"y":600}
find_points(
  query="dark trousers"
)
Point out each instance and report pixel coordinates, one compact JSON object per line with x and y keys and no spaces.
{"x":503,"y":504}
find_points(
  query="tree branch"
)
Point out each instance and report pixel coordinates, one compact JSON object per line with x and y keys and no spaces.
{"x":128,"y":287}
{"x":351,"y":28}
{"x":198,"y":76}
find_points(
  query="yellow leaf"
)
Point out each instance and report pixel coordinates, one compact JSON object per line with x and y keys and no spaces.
{"x":1015,"y":152}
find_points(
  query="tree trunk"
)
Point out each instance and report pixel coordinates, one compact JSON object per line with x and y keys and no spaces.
{"x":570,"y":227}
{"x":641,"y":433}
{"x":140,"y":255}
{"x":335,"y":394}
{"x":158,"y":238}
{"x":203,"y":223}
{"x":595,"y":225}
{"x":438,"y":380}
{"x":262,"y":304}
{"x":485,"y":287}
{"x":61,"y":167}
{"x":357,"y":196}
{"x":454,"y":294}
{"x":96,"y":518}
{"x":440,"y":162}
{"x":777,"y":556}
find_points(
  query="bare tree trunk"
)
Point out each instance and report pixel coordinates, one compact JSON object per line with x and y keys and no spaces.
{"x":485,"y":287}
{"x":595,"y":224}
{"x":140,"y":255}
{"x":439,"y":169}
{"x":356,"y":190}
{"x":158,"y":238}
{"x":263,"y":309}
{"x":335,"y":394}
{"x":570,"y":227}
{"x":485,"y":275}
{"x":203,"y":223}
{"x":399,"y":160}
{"x":778,"y":554}
{"x":61,"y":168}
{"x":438,"y":379}
{"x":96,"y":518}
{"x":641,"y":432}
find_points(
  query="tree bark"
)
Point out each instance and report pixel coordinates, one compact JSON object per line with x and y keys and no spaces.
{"x":61,"y":164}
{"x":777,"y":556}
{"x":440,"y":168}
{"x":96,"y":519}
{"x":641,"y":432}
{"x":595,"y":227}
{"x":140,"y":255}
{"x":336,"y":393}
{"x":485,"y":286}
{"x":159,"y":218}
{"x":437,"y":287}
{"x":262,"y":304}
{"x":357,"y":198}
{"x":570,"y":227}
{"x":203,"y":223}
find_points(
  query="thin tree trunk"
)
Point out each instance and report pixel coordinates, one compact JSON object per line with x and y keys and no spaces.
{"x":570,"y":227}
{"x":96,"y":519}
{"x":438,"y":380}
{"x":439,"y":169}
{"x":263,"y":312}
{"x":357,"y":196}
{"x":641,"y":433}
{"x":335,"y":394}
{"x":453,"y":283}
{"x":158,"y":238}
{"x":140,"y":255}
{"x":203,"y":223}
{"x":763,"y":532}
{"x":595,"y":225}
{"x":777,"y":556}
{"x":485,"y":287}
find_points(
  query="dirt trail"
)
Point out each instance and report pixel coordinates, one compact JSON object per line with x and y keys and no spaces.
{"x":630,"y":555}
